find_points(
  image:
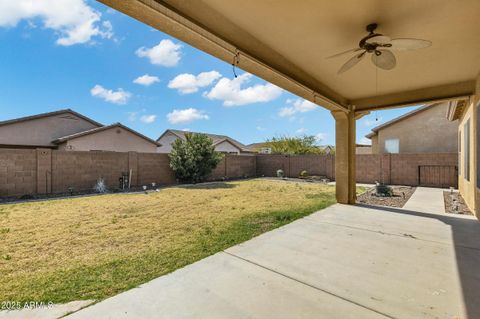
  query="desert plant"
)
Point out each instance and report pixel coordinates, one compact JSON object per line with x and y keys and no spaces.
{"x":100,"y":186}
{"x":304,"y":174}
{"x":194,"y":158}
{"x":280,"y":173}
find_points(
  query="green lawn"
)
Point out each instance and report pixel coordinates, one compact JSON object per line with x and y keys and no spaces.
{"x":95,"y":247}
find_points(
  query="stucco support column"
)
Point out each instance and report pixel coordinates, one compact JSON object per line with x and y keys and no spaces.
{"x":345,"y":136}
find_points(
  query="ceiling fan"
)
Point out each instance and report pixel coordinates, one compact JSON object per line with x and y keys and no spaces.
{"x":379,"y":46}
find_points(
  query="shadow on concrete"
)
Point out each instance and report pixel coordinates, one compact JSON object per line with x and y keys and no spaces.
{"x":214,"y":185}
{"x":466,"y":242}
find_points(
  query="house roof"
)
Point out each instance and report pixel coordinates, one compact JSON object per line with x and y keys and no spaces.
{"x":217,"y":139}
{"x":400,"y":118}
{"x":100,"y":129}
{"x":49,"y":114}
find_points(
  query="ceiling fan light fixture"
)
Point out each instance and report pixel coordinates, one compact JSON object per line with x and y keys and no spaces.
{"x":376,"y":44}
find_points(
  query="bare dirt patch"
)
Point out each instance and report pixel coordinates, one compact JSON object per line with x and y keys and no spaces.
{"x":401,"y":194}
{"x":454,"y":204}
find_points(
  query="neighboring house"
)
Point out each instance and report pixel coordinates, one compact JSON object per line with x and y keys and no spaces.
{"x":363,"y":149}
{"x":71,"y":131}
{"x":115,"y":137}
{"x":40,"y":130}
{"x":427,"y":130}
{"x":222,"y":143}
{"x":261,"y":148}
{"x":328,"y":149}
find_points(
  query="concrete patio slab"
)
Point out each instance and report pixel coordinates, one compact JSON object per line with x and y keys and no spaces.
{"x":342,"y":262}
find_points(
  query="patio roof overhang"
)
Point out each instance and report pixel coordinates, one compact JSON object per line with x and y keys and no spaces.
{"x":286,"y":42}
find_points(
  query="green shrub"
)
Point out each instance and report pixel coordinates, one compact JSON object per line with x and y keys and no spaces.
{"x":194,"y":158}
{"x":304,"y":174}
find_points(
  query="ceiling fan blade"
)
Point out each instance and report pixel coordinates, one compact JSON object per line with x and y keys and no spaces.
{"x":379,"y":39}
{"x":386,"y":60}
{"x":351,"y":63}
{"x":342,"y":53}
{"x":403,"y":44}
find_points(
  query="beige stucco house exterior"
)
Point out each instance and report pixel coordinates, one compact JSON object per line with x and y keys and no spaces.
{"x":115,"y":138}
{"x":467,"y":115}
{"x":223,"y":144}
{"x":70,"y":131}
{"x":423,"y":130}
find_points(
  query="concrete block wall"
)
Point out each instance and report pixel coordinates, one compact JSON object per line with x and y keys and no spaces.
{"x":81,"y":170}
{"x":154,"y":168}
{"x":44,"y":171}
{"x":18,"y":172}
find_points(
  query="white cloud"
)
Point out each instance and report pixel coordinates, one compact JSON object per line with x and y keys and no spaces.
{"x":259,"y":128}
{"x":186,"y":116}
{"x":118,"y":97}
{"x":301,"y":130}
{"x":296,"y":106}
{"x":186,"y":129}
{"x":187,"y":83}
{"x":321,"y":137}
{"x":165,"y":53}
{"x":148,"y":118}
{"x":365,"y":140}
{"x":146,"y":80}
{"x":73,"y":20}
{"x":231,"y":93}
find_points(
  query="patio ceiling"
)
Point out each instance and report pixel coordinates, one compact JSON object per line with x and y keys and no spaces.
{"x":286,"y":42}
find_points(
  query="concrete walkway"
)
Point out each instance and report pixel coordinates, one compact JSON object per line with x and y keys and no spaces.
{"x":342,"y":262}
{"x":428,"y":200}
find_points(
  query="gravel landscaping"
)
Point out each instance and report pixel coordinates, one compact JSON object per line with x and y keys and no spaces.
{"x":401,"y":194}
{"x":454,"y":203}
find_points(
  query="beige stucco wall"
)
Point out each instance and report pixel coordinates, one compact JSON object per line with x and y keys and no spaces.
{"x":226,"y":147}
{"x":428,"y":131}
{"x":166,"y":142}
{"x":469,"y":189}
{"x":363,"y":150}
{"x":42,"y":131}
{"x":375,"y":144}
{"x":115,"y":139}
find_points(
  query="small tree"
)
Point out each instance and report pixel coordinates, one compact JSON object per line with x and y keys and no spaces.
{"x":294,"y":145}
{"x":194,"y":158}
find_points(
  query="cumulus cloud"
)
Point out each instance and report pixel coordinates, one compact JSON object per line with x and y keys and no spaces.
{"x":296,"y":106}
{"x":230,"y":91}
{"x":146,"y":80}
{"x":148,"y":118}
{"x":117,"y":97}
{"x":73,"y":20}
{"x":186,"y":116}
{"x":187,"y":83}
{"x":320,"y":137}
{"x":165,"y":53}
{"x":301,"y":130}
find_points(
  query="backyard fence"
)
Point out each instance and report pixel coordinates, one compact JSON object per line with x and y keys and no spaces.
{"x":44,"y":171}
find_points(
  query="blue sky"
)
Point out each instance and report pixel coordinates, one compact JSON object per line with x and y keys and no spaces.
{"x":84,"y":56}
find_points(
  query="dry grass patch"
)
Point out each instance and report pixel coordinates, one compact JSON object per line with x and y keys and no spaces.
{"x":95,"y":247}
